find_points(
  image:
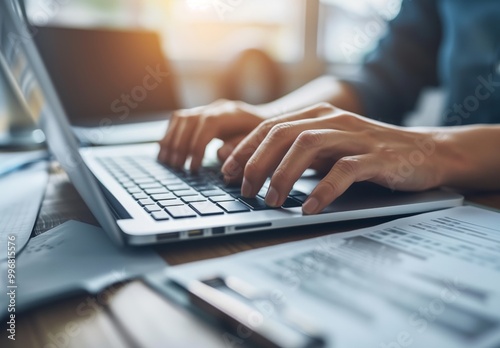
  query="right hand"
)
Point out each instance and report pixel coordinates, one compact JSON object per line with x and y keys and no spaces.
{"x":190,"y":131}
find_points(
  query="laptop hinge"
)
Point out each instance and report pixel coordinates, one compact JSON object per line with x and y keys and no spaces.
{"x":118,"y":211}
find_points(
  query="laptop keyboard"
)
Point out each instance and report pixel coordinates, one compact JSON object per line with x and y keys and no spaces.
{"x":166,"y":193}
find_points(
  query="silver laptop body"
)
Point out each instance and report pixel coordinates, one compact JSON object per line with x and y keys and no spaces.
{"x":100,"y":173}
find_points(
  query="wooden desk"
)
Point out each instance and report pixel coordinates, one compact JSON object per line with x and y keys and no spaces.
{"x":131,"y":315}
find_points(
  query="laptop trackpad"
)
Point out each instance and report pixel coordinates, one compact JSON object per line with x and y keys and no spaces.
{"x":366,"y":195}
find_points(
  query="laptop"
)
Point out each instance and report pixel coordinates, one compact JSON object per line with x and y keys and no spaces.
{"x":122,"y":76}
{"x":139,"y":201}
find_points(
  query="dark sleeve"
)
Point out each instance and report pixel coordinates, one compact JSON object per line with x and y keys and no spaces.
{"x":404,"y":62}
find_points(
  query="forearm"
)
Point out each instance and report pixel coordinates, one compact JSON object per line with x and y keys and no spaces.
{"x":323,"y":89}
{"x":471,"y":156}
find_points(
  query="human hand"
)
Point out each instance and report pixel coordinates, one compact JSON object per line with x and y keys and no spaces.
{"x":352,"y":148}
{"x":191,"y":130}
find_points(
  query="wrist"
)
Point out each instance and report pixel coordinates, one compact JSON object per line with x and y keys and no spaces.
{"x":268,"y":110}
{"x":451,"y":160}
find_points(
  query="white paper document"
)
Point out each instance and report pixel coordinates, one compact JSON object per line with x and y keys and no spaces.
{"x":72,"y":258}
{"x":11,"y":161}
{"x":431,"y":280}
{"x":21,"y":195}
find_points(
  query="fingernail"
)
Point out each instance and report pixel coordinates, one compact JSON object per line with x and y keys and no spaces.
{"x":272,"y":197}
{"x":246,"y":188}
{"x":310,"y":206}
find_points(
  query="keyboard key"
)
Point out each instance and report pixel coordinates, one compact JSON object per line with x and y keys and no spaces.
{"x":203,"y":187}
{"x":231,"y":190}
{"x":206,"y":208}
{"x":291,"y":203}
{"x":223,"y":198}
{"x":233,"y":207}
{"x":116,"y":171}
{"x":160,"y":215}
{"x":146,"y":201}
{"x":195,"y":180}
{"x":296,"y":193}
{"x":301,"y":198}
{"x":256,"y":203}
{"x":180,"y":211}
{"x":151,"y":185}
{"x":218,"y":180}
{"x":162,"y":196}
{"x":135,"y":173}
{"x":178,"y":187}
{"x":152,"y":208}
{"x":155,"y":191}
{"x":138,"y":196}
{"x":144,"y":180}
{"x":172,"y":181}
{"x":184,"y":193}
{"x":120,"y":176}
{"x":179,"y":172}
{"x":191,"y":199}
{"x":128,"y":184}
{"x":133,"y":190}
{"x":167,"y":177}
{"x":170,"y":203}
{"x":212,"y":193}
{"x":150,"y":166}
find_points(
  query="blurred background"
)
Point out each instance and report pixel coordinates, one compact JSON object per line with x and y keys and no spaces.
{"x":203,"y":39}
{"x":251,"y":50}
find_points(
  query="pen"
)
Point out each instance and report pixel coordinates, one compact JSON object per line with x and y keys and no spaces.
{"x":292,"y":332}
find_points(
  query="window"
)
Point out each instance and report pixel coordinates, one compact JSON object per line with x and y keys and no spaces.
{"x":350,"y":29}
{"x":211,"y":30}
{"x":193,"y":30}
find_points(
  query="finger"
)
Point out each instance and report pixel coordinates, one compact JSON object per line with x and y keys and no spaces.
{"x":166,"y":142}
{"x":271,"y":151}
{"x":309,"y":146}
{"x":206,"y":130}
{"x":235,"y":164}
{"x":219,"y":126}
{"x":225,"y":150}
{"x":344,"y":173}
{"x":171,"y":137}
{"x":180,"y":147}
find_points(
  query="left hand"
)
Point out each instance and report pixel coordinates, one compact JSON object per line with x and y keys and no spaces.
{"x":348,"y":147}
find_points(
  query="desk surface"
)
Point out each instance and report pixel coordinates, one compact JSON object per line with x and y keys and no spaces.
{"x":130,"y":315}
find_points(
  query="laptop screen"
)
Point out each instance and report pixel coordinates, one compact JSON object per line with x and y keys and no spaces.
{"x":30,"y":80}
{"x":121,"y":75}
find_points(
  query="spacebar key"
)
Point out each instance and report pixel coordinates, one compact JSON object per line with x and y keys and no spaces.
{"x":256,"y":203}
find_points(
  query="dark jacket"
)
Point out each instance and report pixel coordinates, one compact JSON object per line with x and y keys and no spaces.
{"x":454,"y":44}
